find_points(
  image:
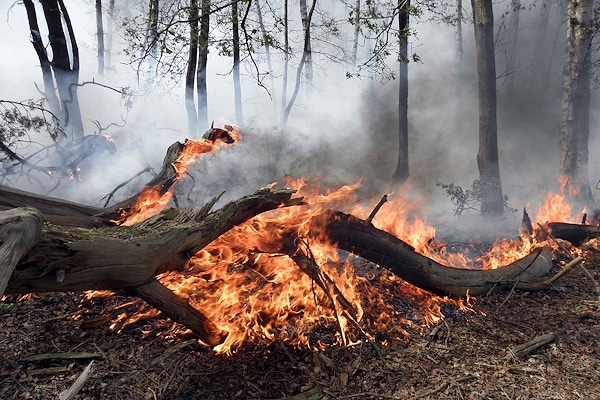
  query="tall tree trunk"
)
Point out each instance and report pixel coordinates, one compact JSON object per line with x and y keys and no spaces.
{"x":190,"y":76}
{"x":152,"y":40}
{"x":202,"y":63}
{"x":307,"y":47}
{"x":305,"y":55}
{"x":513,"y":38}
{"x":267,"y":51}
{"x":401,"y":174}
{"x":100,"y":37}
{"x":40,"y":49}
{"x":237,"y":84}
{"x":575,"y":99}
{"x":458,"y":35}
{"x":109,"y":34}
{"x":490,"y":188}
{"x":356,"y":36}
{"x":64,"y":66}
{"x":286,"y":60}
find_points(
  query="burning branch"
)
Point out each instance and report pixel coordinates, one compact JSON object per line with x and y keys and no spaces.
{"x":376,"y":210}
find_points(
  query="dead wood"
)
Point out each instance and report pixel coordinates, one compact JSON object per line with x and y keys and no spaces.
{"x":531,"y":346}
{"x":351,"y":234}
{"x":20,"y":230}
{"x":575,"y":233}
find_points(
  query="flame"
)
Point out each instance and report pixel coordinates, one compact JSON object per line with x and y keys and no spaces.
{"x":153,"y":199}
{"x":247,"y":283}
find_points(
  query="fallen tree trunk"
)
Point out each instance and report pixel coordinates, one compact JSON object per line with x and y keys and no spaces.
{"x":577,"y":234}
{"x":363,"y":239}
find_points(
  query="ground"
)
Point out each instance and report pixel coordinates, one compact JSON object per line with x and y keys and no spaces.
{"x":466,"y":356}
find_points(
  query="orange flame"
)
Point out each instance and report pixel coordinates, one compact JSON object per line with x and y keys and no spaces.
{"x":152,"y":200}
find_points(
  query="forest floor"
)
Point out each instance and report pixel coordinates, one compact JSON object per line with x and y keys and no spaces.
{"x":466,"y":356}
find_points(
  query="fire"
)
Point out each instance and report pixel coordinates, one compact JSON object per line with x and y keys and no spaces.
{"x":152,"y":199}
{"x":248,"y":284}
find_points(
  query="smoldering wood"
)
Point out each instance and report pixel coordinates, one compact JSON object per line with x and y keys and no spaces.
{"x":577,"y":234}
{"x":351,"y":234}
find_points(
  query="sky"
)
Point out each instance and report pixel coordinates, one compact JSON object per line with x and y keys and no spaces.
{"x":345,"y":130}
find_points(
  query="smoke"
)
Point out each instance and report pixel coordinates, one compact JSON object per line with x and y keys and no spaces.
{"x":344,"y":131}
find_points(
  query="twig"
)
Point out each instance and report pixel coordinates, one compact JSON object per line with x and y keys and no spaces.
{"x":376,"y":210}
{"x":119,"y":186}
{"x":444,"y":385}
{"x":78,"y":384}
{"x":584,"y":269}
{"x":532,"y":345}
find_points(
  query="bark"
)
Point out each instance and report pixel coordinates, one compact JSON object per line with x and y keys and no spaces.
{"x":65,"y":66}
{"x":306,"y":21}
{"x":20,"y":230}
{"x":100,"y":37}
{"x":492,"y":201}
{"x":574,"y":233}
{"x":109,"y":34}
{"x":356,"y":35}
{"x":575,"y":98}
{"x":286,"y":61}
{"x":190,"y":77}
{"x":267,"y":50}
{"x":303,"y":61}
{"x":237,"y":84}
{"x":46,"y":66}
{"x":152,"y":40}
{"x":202,"y":63}
{"x":352,"y":234}
{"x":401,"y":174}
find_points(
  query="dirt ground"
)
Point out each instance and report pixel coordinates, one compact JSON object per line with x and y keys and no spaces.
{"x":466,"y":356}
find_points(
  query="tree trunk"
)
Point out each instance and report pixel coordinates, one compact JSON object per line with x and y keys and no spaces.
{"x":64,"y":66}
{"x":401,"y":174}
{"x":303,"y":61}
{"x":46,"y":66}
{"x":575,"y":99}
{"x":190,"y":77}
{"x":356,"y":36}
{"x":492,"y":200}
{"x":109,"y":34}
{"x":306,"y":21}
{"x":513,"y":43}
{"x":202,"y":63}
{"x":354,"y":235}
{"x":286,"y":61}
{"x":100,"y":37}
{"x":151,"y":46}
{"x":237,"y":84}
{"x":267,"y":51}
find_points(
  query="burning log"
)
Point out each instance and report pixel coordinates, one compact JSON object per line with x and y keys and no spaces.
{"x":352,"y":234}
{"x":74,"y":259}
{"x":575,"y":233}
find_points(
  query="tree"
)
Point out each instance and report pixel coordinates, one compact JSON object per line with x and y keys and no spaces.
{"x":64,"y":66}
{"x":401,"y":173}
{"x":190,"y":77}
{"x":307,"y":51}
{"x":575,"y":98}
{"x":237,"y":85}
{"x":489,"y":185}
{"x":303,"y":60}
{"x":100,"y":37}
{"x":202,"y":63}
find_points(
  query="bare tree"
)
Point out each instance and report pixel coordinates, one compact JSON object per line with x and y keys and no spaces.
{"x":100,"y":37}
{"x":401,"y":174}
{"x":237,"y":84}
{"x":192,"y":64}
{"x":202,"y":63}
{"x":575,"y":98}
{"x":489,"y":186}
{"x":64,"y":66}
{"x":307,"y":51}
